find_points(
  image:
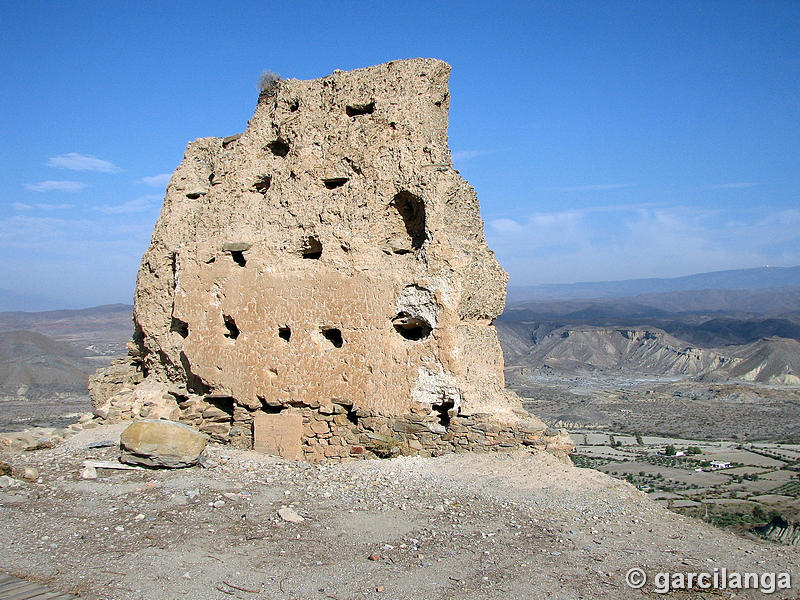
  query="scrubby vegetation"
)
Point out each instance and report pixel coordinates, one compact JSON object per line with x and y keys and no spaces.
{"x":268,"y":82}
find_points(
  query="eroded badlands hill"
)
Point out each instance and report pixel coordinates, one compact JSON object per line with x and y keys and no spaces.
{"x":611,"y":349}
{"x":535,"y":348}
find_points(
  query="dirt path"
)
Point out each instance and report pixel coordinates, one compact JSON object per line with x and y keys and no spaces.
{"x":459,"y":526}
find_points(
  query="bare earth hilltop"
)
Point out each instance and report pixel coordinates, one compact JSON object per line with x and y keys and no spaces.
{"x":458,"y":526}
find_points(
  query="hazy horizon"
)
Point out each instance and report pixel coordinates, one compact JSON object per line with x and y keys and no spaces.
{"x":605,"y":143}
{"x":516,"y":293}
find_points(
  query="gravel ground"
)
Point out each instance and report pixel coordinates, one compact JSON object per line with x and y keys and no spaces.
{"x":461,"y":526}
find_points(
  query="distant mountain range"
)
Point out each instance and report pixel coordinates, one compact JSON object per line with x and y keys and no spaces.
{"x":694,"y":326}
{"x":738,"y":279}
{"x":769,"y":301}
{"x":33,"y":365}
{"x":626,"y":351}
{"x":706,"y":318}
{"x":100,"y":329}
{"x":51,"y":352}
{"x":73,"y":317}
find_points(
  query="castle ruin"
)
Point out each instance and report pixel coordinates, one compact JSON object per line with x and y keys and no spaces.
{"x":319,"y":286}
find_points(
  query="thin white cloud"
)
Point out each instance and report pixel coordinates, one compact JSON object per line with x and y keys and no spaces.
{"x":646,"y":241}
{"x":82,"y":162}
{"x":41,"y":206}
{"x":46,"y":206}
{"x":57,"y":235}
{"x":56,"y":186}
{"x":462,"y":155}
{"x":505,"y":225}
{"x":597,"y":187}
{"x":508,"y":224}
{"x":159,"y":181}
{"x":60,"y":253}
{"x":140,"y":204}
{"x":733,"y":186}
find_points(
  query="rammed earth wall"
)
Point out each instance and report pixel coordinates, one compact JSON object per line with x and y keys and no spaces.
{"x":319,"y":286}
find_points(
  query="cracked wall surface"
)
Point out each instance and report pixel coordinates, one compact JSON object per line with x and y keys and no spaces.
{"x":329,"y":263}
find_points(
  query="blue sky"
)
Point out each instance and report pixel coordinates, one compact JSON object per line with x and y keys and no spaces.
{"x":605,"y":140}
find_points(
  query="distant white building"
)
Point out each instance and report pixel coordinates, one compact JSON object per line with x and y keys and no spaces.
{"x":678,"y":453}
{"x":718,"y":464}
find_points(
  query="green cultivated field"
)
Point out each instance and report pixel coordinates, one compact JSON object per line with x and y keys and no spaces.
{"x":763,"y":480}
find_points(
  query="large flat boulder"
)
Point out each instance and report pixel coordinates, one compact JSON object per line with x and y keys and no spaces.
{"x":161,"y":443}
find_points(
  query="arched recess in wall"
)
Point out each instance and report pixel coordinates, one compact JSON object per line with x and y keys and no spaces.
{"x":406,"y":221}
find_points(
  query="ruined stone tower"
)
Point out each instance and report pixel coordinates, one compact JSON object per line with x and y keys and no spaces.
{"x":320,"y":286}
